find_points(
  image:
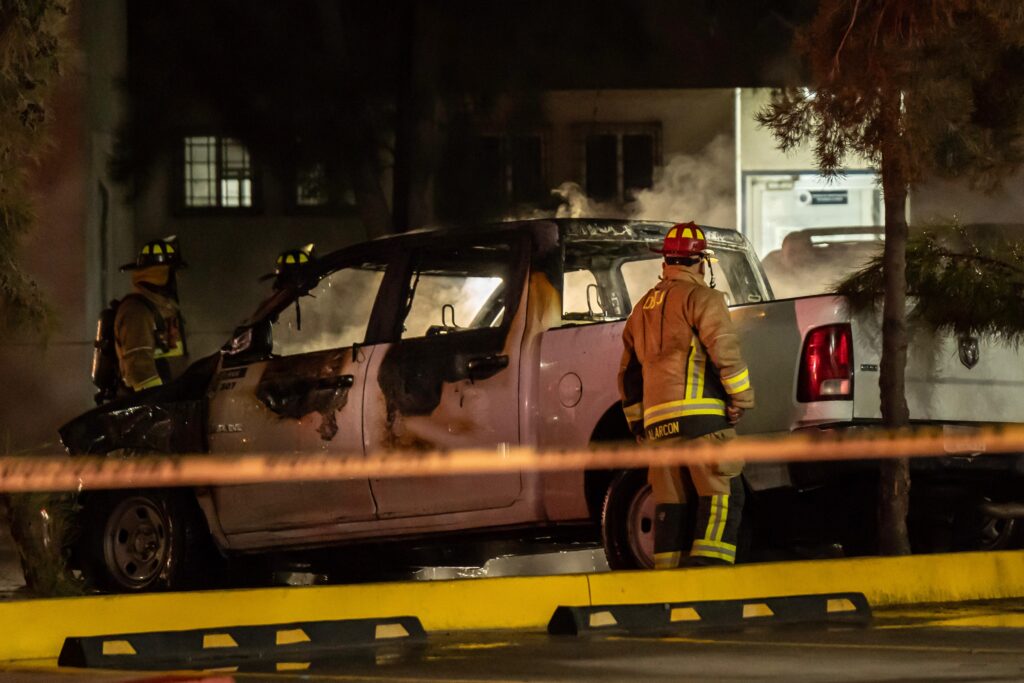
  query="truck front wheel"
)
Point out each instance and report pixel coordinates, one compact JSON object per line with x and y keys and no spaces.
{"x":140,"y":541}
{"x":627,"y":522}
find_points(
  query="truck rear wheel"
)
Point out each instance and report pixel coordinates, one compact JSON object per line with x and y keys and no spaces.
{"x":973,"y":529}
{"x":627,"y":522}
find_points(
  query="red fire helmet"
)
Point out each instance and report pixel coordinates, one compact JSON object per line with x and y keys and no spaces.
{"x":684,"y":239}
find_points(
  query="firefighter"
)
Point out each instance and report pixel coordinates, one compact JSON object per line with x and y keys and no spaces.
{"x":291,"y":268}
{"x":682,"y":377}
{"x":149,"y":335}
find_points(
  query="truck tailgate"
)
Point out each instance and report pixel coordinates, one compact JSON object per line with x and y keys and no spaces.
{"x":949,"y":379}
{"x":771,"y":336}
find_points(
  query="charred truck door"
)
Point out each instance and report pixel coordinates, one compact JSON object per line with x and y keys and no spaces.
{"x":307,"y":397}
{"x":452,"y":381}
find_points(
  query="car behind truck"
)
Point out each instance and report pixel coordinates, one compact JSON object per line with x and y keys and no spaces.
{"x":511,"y":334}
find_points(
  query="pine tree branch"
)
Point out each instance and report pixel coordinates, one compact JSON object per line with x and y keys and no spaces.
{"x":853,"y":20}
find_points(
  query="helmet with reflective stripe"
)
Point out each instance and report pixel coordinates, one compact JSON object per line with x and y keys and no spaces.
{"x":684,"y":239}
{"x":158,"y":252}
{"x":290,"y":263}
{"x":294,"y":257}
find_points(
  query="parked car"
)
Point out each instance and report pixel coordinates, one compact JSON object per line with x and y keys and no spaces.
{"x":814,"y":260}
{"x":511,"y":334}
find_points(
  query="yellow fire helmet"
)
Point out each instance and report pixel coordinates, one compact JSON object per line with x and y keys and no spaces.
{"x":291,"y":263}
{"x":159,"y":252}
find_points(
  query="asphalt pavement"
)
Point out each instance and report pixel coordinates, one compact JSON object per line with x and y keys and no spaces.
{"x":974,"y":642}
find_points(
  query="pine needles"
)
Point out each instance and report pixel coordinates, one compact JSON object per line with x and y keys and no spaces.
{"x":964,"y":280}
{"x":31,"y":58}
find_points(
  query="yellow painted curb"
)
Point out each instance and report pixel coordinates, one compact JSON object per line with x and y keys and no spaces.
{"x":35,"y":629}
{"x":883,"y":580}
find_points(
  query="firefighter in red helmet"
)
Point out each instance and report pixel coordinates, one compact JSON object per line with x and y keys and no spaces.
{"x":682,"y":376}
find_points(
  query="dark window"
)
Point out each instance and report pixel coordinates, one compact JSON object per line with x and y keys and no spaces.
{"x":509,"y":170}
{"x":311,"y":187}
{"x":491,"y":170}
{"x":316,"y":187}
{"x":637,"y":162}
{"x":526,"y":169}
{"x":617,"y":158}
{"x":217,"y":173}
{"x":602,"y":166}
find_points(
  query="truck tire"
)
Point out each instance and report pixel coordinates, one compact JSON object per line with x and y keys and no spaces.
{"x":143,"y":541}
{"x":627,"y":522}
{"x":973,"y":530}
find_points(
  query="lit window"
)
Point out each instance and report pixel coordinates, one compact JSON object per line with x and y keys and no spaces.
{"x":218,"y":173}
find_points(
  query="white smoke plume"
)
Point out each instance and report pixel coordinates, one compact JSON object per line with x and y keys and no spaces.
{"x":576,"y":204}
{"x":697,"y":187}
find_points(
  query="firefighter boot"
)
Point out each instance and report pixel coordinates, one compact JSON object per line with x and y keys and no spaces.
{"x":718,"y":527}
{"x":669,"y":525}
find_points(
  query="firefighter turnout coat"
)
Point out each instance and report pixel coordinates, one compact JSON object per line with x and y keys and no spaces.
{"x":150,"y":353}
{"x":681,"y":365}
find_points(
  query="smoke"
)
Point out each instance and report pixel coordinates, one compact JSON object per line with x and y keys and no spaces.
{"x":576,"y":204}
{"x":334,"y":315}
{"x":805,"y":267}
{"x":697,"y":187}
{"x":466,"y":295}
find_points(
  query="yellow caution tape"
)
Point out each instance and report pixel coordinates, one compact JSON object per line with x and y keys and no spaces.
{"x":55,"y":473}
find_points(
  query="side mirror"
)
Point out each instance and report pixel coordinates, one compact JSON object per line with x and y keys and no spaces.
{"x":250,"y":343}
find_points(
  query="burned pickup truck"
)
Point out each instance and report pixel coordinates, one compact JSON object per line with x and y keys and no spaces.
{"x":511,"y":334}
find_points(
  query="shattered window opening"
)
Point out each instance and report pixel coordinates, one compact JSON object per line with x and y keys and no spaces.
{"x":335,"y":314}
{"x":471,"y":281}
{"x":624,"y":270}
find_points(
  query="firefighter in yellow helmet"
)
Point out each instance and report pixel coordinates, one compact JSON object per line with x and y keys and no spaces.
{"x":292,"y":267}
{"x":149,"y":334}
{"x":682,"y":376}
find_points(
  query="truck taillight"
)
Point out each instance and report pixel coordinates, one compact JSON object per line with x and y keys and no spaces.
{"x":826,"y":365}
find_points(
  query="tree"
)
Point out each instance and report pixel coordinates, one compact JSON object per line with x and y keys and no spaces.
{"x":965,"y":281}
{"x":31,"y":56}
{"x":916,"y":88}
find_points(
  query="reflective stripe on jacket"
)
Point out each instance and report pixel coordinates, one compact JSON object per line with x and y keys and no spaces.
{"x":144,"y":350}
{"x":681,"y":364}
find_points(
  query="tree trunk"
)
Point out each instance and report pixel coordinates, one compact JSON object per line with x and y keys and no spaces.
{"x":894,"y":480}
{"x":370,"y":198}
{"x":416,"y":117}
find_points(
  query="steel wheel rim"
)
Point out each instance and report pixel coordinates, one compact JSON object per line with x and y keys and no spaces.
{"x":136,"y":542}
{"x":640,"y":526}
{"x":995,"y":532}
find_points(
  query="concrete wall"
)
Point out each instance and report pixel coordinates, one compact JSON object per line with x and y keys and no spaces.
{"x":689,"y":120}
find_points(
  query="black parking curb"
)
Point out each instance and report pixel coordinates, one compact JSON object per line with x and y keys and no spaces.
{"x":662,"y":618}
{"x":228,"y":646}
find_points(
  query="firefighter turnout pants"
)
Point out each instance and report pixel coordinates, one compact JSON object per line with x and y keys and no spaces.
{"x":720,"y":498}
